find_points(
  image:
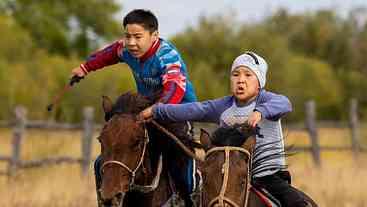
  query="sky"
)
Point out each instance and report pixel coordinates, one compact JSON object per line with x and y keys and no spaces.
{"x":174,"y":16}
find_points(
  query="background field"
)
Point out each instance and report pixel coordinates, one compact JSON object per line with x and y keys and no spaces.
{"x":340,"y":182}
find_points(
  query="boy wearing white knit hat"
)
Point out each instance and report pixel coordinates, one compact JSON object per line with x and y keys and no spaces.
{"x":249,"y":103}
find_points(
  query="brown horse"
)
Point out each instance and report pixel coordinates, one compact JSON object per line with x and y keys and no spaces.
{"x":133,"y":173}
{"x":227,"y":171}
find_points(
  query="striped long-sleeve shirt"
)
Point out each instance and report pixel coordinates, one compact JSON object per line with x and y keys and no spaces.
{"x":225,"y":112}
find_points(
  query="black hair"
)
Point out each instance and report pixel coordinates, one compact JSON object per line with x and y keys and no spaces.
{"x":145,"y":18}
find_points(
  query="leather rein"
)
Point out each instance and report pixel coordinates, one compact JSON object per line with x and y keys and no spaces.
{"x":221,"y":199}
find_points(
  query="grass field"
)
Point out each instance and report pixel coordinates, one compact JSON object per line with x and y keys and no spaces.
{"x":340,"y":182}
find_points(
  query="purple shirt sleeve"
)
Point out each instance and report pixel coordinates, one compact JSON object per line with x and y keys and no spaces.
{"x":272,"y":106}
{"x":207,"y":111}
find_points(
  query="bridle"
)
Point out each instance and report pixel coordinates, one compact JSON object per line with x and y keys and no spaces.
{"x":221,"y":198}
{"x":132,"y":171}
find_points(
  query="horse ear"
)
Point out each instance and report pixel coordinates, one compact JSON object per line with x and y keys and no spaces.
{"x":249,"y":143}
{"x":106,"y":104}
{"x":205,"y":139}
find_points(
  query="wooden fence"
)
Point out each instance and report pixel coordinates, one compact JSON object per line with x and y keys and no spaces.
{"x":88,"y":127}
{"x":20,"y":124}
{"x":311,"y":127}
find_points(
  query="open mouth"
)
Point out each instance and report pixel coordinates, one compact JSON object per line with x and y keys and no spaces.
{"x":134,"y":52}
{"x":240,"y":90}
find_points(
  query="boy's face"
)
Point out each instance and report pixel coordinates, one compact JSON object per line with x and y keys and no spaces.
{"x":244,"y":84}
{"x":138,"y":40}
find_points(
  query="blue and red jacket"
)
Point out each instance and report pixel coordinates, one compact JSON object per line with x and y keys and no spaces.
{"x":161,"y":70}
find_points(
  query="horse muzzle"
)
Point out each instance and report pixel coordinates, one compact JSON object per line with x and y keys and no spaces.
{"x":115,"y":200}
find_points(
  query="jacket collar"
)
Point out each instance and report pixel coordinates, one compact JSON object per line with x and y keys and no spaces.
{"x":151,"y":50}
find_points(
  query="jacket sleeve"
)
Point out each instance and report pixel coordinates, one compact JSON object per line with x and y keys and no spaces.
{"x":173,"y":79}
{"x":207,"y":111}
{"x":272,"y":106}
{"x":105,"y":57}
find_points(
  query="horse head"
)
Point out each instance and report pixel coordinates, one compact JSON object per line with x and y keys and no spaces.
{"x":123,"y":146}
{"x":228,"y":156}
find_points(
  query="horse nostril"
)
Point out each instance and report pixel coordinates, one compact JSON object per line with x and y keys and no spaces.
{"x":118,"y":200}
{"x":115,"y":201}
{"x":107,"y":195}
{"x":120,"y":196}
{"x":107,"y":202}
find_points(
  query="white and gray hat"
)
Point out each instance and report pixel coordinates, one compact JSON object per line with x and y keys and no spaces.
{"x":254,"y":62}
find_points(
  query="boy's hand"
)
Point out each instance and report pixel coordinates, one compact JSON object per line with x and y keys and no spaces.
{"x":78,"y":71}
{"x":146,"y":114}
{"x":254,"y":118}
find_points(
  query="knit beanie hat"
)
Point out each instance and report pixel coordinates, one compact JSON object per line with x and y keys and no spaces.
{"x":254,"y":62}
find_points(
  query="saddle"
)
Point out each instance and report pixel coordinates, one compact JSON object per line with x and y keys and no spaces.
{"x":265,"y":196}
{"x":267,"y":199}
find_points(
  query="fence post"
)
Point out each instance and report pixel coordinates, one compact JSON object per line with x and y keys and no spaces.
{"x":88,"y":129}
{"x":312,"y":130}
{"x":354,"y":124}
{"x":18,"y":133}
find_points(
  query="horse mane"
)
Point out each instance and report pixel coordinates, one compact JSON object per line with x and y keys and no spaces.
{"x":236,"y":135}
{"x":232,"y":136}
{"x":129,"y":103}
{"x":134,"y":103}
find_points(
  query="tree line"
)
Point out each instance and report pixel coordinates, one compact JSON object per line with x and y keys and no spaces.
{"x":315,"y":55}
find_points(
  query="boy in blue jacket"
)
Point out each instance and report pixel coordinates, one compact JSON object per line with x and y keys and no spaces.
{"x":250,"y":103}
{"x":158,"y":69}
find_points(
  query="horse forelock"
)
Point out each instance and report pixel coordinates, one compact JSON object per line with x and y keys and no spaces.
{"x":122,"y":129}
{"x":231,"y":136}
{"x":131,"y":103}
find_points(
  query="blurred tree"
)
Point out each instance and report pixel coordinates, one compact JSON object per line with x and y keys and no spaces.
{"x":5,"y":91}
{"x":325,"y":35}
{"x":15,"y":43}
{"x":16,"y":47}
{"x":31,"y":77}
{"x":357,"y":22}
{"x":316,"y":38}
{"x":285,"y":24}
{"x":214,"y":42}
{"x":208,"y":84}
{"x":64,"y":27}
{"x":304,"y":79}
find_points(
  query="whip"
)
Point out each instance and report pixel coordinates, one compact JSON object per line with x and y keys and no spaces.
{"x":67,"y":87}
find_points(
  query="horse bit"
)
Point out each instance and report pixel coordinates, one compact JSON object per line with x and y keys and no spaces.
{"x":221,"y":198}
